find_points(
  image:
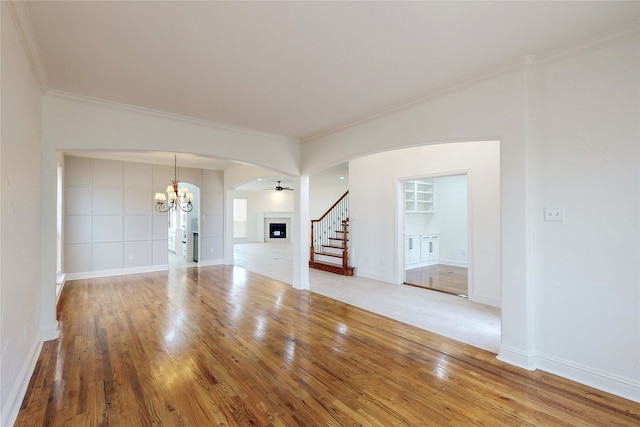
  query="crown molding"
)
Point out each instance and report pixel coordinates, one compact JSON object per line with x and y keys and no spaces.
{"x":524,"y":63}
{"x":590,"y":44}
{"x":55,"y":93}
{"x":505,"y":68}
{"x":19,"y":12}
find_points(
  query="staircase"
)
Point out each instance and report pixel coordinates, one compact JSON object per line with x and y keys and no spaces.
{"x":329,"y":239}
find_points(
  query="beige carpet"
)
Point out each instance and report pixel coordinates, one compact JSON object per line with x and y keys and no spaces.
{"x":444,"y":314}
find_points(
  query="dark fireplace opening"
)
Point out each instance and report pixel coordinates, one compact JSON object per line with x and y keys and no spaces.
{"x":278,"y":230}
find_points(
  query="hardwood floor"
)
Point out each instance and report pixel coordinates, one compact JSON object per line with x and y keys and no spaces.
{"x":219,"y":346}
{"x":440,"y":277}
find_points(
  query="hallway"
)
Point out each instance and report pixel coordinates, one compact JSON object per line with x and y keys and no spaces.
{"x":443,"y":314}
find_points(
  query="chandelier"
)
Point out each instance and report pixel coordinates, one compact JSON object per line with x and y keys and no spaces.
{"x":178,"y":197}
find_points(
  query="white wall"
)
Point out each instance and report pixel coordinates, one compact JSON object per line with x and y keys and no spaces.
{"x":259,"y":202}
{"x":586,"y":161}
{"x":375,"y":219}
{"x":493,"y":108}
{"x":551,"y":119}
{"x":450,"y":218}
{"x":568,"y":127}
{"x":212,"y":220}
{"x":111,"y":226}
{"x":20,"y":287}
{"x":72,"y":122}
{"x":323,"y":196}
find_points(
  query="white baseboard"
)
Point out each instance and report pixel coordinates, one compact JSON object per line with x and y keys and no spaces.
{"x":51,"y":333}
{"x":516,"y":357}
{"x":19,"y":389}
{"x":207,"y":262}
{"x":134,"y":270}
{"x":379,"y":278}
{"x":623,"y":387}
{"x":604,"y":381}
{"x":118,"y":272}
{"x":453,"y":262}
{"x":493,"y":302}
{"x":421,"y":264}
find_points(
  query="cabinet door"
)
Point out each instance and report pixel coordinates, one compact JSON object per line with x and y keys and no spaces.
{"x":415,"y":251}
{"x":434,"y":253}
{"x":412,"y":250}
{"x":425,"y":248}
{"x":407,"y":250}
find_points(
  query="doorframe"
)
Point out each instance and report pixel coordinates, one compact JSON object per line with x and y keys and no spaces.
{"x":198,"y":198}
{"x":400,"y":275}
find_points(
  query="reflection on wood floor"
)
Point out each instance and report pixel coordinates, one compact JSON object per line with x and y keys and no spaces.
{"x":440,"y":277}
{"x":220,"y":346}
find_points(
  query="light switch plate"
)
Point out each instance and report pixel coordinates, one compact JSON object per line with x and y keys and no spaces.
{"x":553,"y":214}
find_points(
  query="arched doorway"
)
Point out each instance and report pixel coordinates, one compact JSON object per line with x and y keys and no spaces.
{"x":183,"y":228}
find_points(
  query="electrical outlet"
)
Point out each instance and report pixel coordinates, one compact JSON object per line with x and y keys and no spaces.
{"x":130,"y":257}
{"x":211,"y":250}
{"x":553,"y":214}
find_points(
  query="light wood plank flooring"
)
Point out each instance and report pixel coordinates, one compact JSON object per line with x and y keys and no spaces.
{"x":444,"y":278}
{"x":219,"y":346}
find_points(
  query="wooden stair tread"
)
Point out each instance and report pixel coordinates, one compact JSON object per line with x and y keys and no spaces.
{"x":332,"y":268}
{"x":328,"y":254}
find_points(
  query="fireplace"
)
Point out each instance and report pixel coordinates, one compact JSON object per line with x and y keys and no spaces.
{"x":275,"y":227}
{"x":277,"y":230}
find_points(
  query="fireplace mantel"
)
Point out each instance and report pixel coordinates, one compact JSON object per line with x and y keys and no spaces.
{"x":264,"y":218}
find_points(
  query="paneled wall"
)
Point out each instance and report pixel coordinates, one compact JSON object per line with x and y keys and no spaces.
{"x":111,"y":225}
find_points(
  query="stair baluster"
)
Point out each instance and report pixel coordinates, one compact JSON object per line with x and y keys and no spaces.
{"x":331,"y":232}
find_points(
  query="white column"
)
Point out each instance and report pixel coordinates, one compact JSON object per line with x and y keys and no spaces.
{"x":48,"y":249}
{"x":227,"y":219}
{"x":301,"y":237}
{"x":517,"y":345}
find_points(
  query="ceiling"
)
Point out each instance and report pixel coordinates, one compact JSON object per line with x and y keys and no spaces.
{"x":298,"y":69}
{"x":330,"y":177}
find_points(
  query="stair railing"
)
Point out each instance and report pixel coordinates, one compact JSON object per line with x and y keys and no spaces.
{"x":334,"y":220}
{"x":345,"y":248}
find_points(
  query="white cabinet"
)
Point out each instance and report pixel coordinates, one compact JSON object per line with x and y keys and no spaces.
{"x":412,"y":249}
{"x":421,"y":250}
{"x":429,"y":248}
{"x":418,"y":196}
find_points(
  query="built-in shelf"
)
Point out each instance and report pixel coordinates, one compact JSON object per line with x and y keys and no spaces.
{"x":418,"y":196}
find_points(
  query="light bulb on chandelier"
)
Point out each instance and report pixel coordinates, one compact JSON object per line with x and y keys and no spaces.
{"x":178,"y":197}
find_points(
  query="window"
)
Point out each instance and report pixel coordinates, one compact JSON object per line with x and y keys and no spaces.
{"x":239,"y":218}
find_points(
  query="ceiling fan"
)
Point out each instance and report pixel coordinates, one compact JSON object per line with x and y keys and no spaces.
{"x":280,"y":187}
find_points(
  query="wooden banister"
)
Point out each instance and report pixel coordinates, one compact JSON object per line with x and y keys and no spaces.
{"x":329,"y":233}
{"x":332,"y":207}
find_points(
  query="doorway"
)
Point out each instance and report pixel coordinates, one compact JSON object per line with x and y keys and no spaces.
{"x":183,"y":230}
{"x":436,"y":233}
